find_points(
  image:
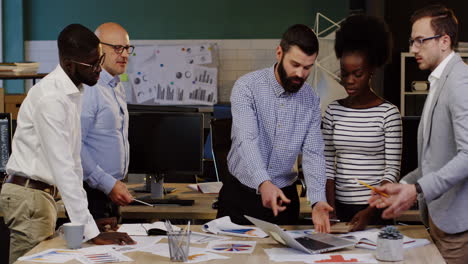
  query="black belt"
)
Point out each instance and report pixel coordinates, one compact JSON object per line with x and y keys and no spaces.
{"x":33,"y":184}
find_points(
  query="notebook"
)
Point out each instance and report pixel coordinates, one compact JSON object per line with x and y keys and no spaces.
{"x":311,"y":243}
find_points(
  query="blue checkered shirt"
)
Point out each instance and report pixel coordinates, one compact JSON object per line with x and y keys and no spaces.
{"x":270,"y":128}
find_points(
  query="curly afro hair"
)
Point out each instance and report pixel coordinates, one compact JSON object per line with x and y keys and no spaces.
{"x":367,"y":35}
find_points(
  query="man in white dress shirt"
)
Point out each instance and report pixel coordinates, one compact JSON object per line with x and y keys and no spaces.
{"x":46,"y":150}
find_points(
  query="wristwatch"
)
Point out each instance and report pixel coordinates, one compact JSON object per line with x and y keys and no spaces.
{"x":418,"y":188}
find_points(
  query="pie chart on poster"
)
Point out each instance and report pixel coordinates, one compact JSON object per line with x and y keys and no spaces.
{"x":232,"y":247}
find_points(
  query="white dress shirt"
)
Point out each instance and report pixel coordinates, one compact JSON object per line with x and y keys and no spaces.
{"x":47,"y":144}
{"x":434,"y":83}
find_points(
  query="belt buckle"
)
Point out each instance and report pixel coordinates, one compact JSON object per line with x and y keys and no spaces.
{"x":52,"y":192}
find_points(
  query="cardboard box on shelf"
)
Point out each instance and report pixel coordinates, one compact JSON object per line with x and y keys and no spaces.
{"x":2,"y":100}
{"x":13,"y":103}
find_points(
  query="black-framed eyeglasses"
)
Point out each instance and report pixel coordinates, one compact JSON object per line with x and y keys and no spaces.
{"x":418,"y":42}
{"x":95,"y":66}
{"x":119,"y":48}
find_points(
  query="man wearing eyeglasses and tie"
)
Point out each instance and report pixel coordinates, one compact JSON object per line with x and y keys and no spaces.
{"x":440,"y":182}
{"x":104,"y":126}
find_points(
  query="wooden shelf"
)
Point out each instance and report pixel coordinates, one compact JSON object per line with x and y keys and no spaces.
{"x":417,"y":93}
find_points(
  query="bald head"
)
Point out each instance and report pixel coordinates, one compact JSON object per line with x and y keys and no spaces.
{"x":109,"y":28}
{"x":112,"y":37}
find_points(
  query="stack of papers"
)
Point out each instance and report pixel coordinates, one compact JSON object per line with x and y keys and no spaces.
{"x":207,"y":187}
{"x":368,"y":239}
{"x":19,"y":67}
{"x":224,"y":226}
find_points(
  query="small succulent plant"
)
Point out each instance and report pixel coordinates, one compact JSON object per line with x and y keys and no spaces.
{"x":390,"y":232}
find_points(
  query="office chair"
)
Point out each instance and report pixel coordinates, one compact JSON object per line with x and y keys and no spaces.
{"x":220,"y":146}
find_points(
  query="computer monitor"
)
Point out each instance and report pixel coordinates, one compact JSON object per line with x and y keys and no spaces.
{"x":166,"y":142}
{"x":5,"y":141}
{"x":161,"y":108}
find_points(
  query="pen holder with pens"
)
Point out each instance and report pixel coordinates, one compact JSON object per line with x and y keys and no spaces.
{"x":179,"y":244}
{"x":389,"y":244}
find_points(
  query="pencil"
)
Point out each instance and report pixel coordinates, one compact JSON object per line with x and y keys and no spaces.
{"x":145,"y":203}
{"x":371,"y":187}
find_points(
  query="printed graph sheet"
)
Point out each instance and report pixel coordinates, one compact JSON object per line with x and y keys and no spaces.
{"x":174,"y":75}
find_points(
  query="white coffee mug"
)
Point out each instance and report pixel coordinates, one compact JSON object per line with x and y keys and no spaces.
{"x":73,"y":234}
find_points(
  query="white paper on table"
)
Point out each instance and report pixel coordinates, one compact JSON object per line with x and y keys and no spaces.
{"x":142,"y":242}
{"x":140,"y":229}
{"x":290,"y":254}
{"x":224,"y":226}
{"x":201,"y":238}
{"x":206,"y":187}
{"x":368,"y":239}
{"x":52,"y":256}
{"x":94,"y":255}
{"x":286,"y":254}
{"x":342,"y":258}
{"x":195,"y":254}
{"x":233,"y":247}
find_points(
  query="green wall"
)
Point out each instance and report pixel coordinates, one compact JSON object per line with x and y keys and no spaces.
{"x":178,"y":19}
{"x":158,"y":19}
{"x":13,"y":39}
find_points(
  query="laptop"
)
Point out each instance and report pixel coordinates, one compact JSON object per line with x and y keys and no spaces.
{"x":312,"y":243}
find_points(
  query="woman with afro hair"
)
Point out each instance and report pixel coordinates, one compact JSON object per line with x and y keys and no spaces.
{"x":362,"y":132}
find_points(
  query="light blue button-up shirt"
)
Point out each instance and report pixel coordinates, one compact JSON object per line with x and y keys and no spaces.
{"x":270,"y":128}
{"x":104,"y":131}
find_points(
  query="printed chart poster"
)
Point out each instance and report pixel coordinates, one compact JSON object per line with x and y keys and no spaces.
{"x":173,"y":75}
{"x":203,"y":89}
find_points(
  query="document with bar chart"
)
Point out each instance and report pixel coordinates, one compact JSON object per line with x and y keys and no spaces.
{"x":204,"y":90}
{"x":174,"y":75}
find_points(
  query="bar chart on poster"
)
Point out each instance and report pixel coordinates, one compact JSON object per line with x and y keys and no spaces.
{"x":174,"y":74}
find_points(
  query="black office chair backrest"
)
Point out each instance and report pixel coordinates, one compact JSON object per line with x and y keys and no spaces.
{"x":409,"y":155}
{"x":220,"y":145}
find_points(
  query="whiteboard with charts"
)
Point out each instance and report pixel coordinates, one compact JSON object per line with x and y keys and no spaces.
{"x":174,"y":74}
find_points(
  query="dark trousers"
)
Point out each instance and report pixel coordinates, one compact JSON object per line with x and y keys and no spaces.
{"x":346,"y":212}
{"x":237,"y":200}
{"x":100,"y":205}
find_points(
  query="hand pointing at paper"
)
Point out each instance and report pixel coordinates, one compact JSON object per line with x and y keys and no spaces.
{"x":273,"y":197}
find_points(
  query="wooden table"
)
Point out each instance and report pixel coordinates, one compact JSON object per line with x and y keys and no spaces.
{"x":425,"y":254}
{"x":202,"y":209}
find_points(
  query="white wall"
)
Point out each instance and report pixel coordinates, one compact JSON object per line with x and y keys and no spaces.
{"x":236,"y":58}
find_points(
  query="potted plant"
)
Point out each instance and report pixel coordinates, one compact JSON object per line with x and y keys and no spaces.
{"x":389,"y":244}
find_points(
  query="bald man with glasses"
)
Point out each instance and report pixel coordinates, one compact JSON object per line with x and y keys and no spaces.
{"x":104,"y":126}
